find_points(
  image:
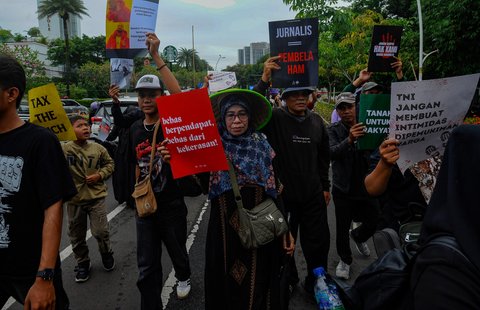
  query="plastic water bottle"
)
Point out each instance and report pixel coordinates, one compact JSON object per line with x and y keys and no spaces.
{"x":325,"y":292}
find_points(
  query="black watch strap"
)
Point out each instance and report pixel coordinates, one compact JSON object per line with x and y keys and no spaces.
{"x":46,"y":274}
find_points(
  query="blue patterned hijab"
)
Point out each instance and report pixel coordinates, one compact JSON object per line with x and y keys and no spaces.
{"x":250,"y":154}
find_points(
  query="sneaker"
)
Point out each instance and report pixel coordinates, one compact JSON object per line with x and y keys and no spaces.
{"x":108,"y":261}
{"x":362,"y":247}
{"x":183,"y":289}
{"x":82,"y":272}
{"x":343,"y":270}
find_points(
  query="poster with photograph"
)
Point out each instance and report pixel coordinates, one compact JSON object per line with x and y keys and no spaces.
{"x":121,"y":71}
{"x":384,"y":48}
{"x":221,"y":80}
{"x":188,"y":123}
{"x":296,"y":42}
{"x":127,"y":22}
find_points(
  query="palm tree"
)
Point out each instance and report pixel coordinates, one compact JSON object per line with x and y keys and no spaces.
{"x":64,"y":9}
{"x":185,"y":58}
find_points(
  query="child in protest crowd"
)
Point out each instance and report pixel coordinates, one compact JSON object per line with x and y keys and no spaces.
{"x":90,"y":165}
{"x":34,"y":183}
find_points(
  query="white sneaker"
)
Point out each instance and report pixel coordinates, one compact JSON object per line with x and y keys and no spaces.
{"x":343,"y":270}
{"x":183,"y":289}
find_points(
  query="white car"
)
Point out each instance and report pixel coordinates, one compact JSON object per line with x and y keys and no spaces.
{"x":105,"y":111}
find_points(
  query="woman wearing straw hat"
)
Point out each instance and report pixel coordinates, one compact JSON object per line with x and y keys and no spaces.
{"x":235,"y":277}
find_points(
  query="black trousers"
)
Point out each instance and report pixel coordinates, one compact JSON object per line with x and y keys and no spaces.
{"x":167,"y":225}
{"x":360,"y":210}
{"x":311,"y":218}
{"x":18,"y":287}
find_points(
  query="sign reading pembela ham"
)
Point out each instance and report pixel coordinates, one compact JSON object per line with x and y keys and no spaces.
{"x":296,"y":42}
{"x":384,"y":48}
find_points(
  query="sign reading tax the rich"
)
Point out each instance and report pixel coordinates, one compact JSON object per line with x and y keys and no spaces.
{"x":384,"y":48}
{"x":46,"y":110}
{"x":189,"y":124}
{"x":296,"y":42}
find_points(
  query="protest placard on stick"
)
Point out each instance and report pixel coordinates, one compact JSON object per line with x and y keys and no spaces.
{"x":189,"y":124}
{"x":384,"y":48}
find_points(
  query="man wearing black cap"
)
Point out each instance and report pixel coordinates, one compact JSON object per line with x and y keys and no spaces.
{"x":300,"y":140}
{"x":349,"y":167}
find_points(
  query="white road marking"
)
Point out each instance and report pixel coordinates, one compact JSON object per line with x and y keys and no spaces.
{"x":68,"y":250}
{"x":171,"y":280}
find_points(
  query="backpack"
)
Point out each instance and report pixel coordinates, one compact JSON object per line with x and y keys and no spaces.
{"x":384,"y":284}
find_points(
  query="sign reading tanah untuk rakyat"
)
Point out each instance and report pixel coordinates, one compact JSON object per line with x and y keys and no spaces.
{"x":189,"y":125}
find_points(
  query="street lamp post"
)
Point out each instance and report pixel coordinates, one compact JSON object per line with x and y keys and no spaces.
{"x":219,"y":57}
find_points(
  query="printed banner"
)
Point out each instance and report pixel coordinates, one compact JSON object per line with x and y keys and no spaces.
{"x":296,"y":42}
{"x":374,"y":113}
{"x":221,"y":80}
{"x":127,"y":22}
{"x":423,"y":113}
{"x":121,"y":71}
{"x":189,"y":124}
{"x":46,"y":110}
{"x":385,"y":46}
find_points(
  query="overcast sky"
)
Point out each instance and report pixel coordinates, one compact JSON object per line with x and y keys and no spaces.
{"x":221,"y":26}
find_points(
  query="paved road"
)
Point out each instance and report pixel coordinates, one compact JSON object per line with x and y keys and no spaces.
{"x":116,"y":290}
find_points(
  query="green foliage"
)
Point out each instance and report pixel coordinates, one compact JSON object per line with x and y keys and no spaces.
{"x":5,"y":36}
{"x":27,"y":58}
{"x":82,"y":50}
{"x":324,"y":110}
{"x":94,"y":79}
{"x":247,"y":75}
{"x":34,"y":32}
{"x":75,"y":91}
{"x":185,"y":77}
{"x":64,"y":8}
{"x":185,"y":60}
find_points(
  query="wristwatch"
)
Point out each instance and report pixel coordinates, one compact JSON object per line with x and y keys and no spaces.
{"x":46,"y":274}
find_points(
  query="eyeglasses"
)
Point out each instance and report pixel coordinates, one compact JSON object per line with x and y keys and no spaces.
{"x":303,"y":93}
{"x":149,"y":94}
{"x":242,"y":115}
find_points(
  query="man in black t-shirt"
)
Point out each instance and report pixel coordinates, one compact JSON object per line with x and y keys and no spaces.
{"x":34,"y":182}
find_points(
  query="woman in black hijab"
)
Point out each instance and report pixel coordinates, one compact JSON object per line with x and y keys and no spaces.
{"x":442,"y":278}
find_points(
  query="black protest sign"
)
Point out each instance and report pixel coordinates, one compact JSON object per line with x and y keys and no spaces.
{"x":296,"y":42}
{"x":384,"y":48}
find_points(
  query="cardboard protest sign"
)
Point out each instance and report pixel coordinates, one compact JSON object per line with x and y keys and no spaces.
{"x":46,"y":110}
{"x":385,"y":46}
{"x":189,"y":124}
{"x":296,"y":42}
{"x":127,"y":22}
{"x":221,"y":80}
{"x":374,"y":113}
{"x":121,"y":71}
{"x":423,"y":113}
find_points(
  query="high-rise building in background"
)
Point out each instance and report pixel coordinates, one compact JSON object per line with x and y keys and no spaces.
{"x":52,"y":27}
{"x":249,"y":55}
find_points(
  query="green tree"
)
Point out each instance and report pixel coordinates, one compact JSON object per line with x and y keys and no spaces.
{"x":34,"y":32}
{"x":5,"y":36}
{"x":82,"y":50}
{"x":64,"y":9}
{"x":95,"y":79}
{"x":185,"y":57}
{"x":34,"y":68}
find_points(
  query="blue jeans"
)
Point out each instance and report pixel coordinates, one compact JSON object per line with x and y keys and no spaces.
{"x":167,"y":225}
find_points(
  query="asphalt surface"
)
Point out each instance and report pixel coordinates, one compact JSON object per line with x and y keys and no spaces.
{"x":117,"y":289}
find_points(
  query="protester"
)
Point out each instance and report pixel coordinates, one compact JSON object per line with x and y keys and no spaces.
{"x":90,"y":165}
{"x":300,"y":140}
{"x":168,"y":224}
{"x":235,"y":277}
{"x":123,"y":178}
{"x":34,"y":182}
{"x":401,"y":195}
{"x":349,"y":167}
{"x":441,"y":277}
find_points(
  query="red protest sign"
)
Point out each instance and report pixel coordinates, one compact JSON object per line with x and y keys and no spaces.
{"x":188,"y":123}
